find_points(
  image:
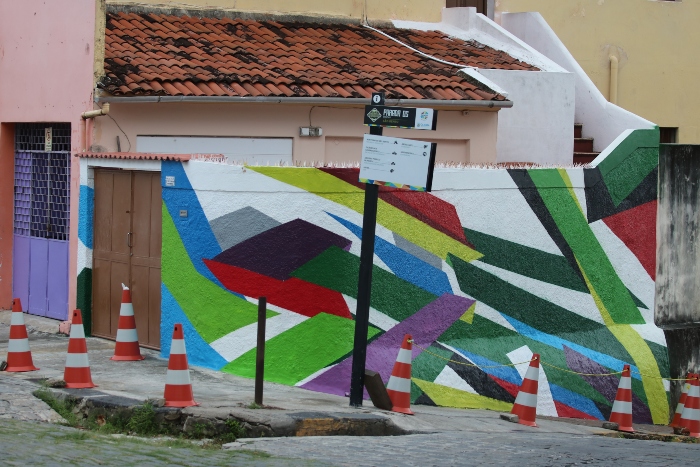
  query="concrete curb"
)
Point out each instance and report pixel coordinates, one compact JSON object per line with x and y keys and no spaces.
{"x":209,"y":422}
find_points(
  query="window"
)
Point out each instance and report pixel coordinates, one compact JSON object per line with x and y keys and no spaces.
{"x":668,"y":135}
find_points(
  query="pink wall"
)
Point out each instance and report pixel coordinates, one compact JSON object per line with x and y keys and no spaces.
{"x":46,"y":75}
{"x":461,"y":137}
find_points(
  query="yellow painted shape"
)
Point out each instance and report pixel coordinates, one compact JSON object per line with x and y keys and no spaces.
{"x":570,"y":186}
{"x":468,"y":317}
{"x":643,"y":359}
{"x":334,"y":189}
{"x":449,"y":397}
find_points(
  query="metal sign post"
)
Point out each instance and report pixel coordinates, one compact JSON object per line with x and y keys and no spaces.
{"x":394,"y":165}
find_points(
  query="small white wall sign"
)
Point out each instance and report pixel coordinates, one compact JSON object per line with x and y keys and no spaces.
{"x":399,"y":162}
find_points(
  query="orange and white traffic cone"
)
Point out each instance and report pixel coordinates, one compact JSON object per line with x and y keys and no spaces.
{"x":127,"y":348}
{"x":77,"y":373}
{"x":178,"y":388}
{"x":399,"y":385}
{"x":676,"y":422}
{"x":19,"y":357}
{"x":525,"y":406}
{"x":690,"y":418}
{"x":622,"y":407}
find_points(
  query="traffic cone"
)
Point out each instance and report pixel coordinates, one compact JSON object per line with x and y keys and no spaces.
{"x":399,"y":385}
{"x":19,"y":357}
{"x":676,"y":422}
{"x":178,"y":388}
{"x":622,"y":407}
{"x":77,"y":373}
{"x":690,"y":418}
{"x":127,"y":348}
{"x":525,"y":406}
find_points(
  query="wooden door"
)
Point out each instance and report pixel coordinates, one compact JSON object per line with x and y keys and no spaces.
{"x":127,"y":242}
{"x":145,"y":255}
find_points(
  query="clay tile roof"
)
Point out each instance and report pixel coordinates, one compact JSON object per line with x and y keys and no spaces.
{"x":157,"y":54}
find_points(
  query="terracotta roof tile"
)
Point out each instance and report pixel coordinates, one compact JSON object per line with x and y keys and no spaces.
{"x":158,"y":54}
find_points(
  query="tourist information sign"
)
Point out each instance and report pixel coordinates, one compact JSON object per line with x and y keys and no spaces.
{"x":396,"y":162}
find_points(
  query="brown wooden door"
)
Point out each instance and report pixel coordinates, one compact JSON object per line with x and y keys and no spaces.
{"x":127,"y":247}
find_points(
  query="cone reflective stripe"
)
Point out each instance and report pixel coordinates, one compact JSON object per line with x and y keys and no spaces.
{"x":127,"y":348}
{"x":399,"y":385}
{"x":77,"y":373}
{"x":622,"y":407}
{"x":19,"y":357}
{"x":178,"y":388}
{"x":525,"y":405}
{"x":690,"y":418}
{"x":676,"y":422}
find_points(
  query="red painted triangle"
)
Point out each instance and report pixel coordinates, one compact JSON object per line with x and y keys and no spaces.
{"x":636,"y":227}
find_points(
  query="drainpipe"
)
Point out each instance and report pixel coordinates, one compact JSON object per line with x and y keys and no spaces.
{"x":614,"y":67}
{"x":89,"y":115}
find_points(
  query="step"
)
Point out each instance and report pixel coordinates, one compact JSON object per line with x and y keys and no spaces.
{"x":584,"y":157}
{"x":583,"y":144}
{"x":578,"y":130}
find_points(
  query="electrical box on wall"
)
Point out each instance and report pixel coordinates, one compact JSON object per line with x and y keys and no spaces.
{"x":310,"y":131}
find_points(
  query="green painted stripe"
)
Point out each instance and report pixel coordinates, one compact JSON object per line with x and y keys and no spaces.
{"x":302,"y":350}
{"x":338,"y":270}
{"x":428,"y":367}
{"x":332,"y":188}
{"x":584,"y":244}
{"x":213,"y":311}
{"x":526,"y":261}
{"x":660,"y":353}
{"x":625,"y":177}
{"x":637,"y":139}
{"x":83,"y":299}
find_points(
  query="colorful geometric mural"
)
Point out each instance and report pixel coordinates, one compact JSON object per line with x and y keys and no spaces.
{"x":492,"y":266}
{"x":482,"y":275}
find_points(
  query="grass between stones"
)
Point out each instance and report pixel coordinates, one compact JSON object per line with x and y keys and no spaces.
{"x":141,"y":421}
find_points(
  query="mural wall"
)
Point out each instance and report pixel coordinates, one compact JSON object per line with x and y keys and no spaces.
{"x":493,"y":266}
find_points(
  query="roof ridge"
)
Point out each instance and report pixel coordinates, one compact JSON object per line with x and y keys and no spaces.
{"x":235,"y":14}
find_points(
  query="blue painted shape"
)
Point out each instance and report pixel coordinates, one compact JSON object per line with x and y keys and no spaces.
{"x":86,"y":212}
{"x":198,"y":351}
{"x":576,"y":401}
{"x":559,"y":343}
{"x":403,"y":264}
{"x":506,"y":373}
{"x":194,"y":230}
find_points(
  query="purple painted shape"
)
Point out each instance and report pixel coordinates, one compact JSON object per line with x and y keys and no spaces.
{"x":20,"y":268}
{"x":279,"y":251}
{"x":426,"y":326}
{"x":606,"y":385}
{"x":57,"y":287}
{"x":38,"y":260}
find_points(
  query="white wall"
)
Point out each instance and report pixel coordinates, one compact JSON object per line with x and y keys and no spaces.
{"x":540,"y":125}
{"x":601,"y":120}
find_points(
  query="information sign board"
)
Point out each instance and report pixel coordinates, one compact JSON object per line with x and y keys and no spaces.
{"x":397,"y":162}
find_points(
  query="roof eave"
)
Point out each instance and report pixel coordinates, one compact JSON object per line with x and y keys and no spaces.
{"x":351,"y":101}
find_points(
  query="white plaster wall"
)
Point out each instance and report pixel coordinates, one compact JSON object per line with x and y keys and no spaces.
{"x":540,"y":125}
{"x":601,"y":120}
{"x":461,"y":137}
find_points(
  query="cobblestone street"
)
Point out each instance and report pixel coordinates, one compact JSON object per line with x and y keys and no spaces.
{"x":42,"y":444}
{"x":523,"y":447}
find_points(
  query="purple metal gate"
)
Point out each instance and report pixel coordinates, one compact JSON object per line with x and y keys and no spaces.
{"x":41,"y":219}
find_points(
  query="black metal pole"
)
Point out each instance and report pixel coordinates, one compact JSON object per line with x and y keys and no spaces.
{"x":260,"y":354}
{"x":364,"y":289}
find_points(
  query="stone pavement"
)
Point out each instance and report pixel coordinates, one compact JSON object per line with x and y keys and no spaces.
{"x":35,"y":444}
{"x":438,"y":433}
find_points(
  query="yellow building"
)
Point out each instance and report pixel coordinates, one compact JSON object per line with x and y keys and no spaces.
{"x":655,"y":44}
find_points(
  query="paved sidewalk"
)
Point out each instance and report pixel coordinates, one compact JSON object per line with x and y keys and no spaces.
{"x":223,"y":396}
